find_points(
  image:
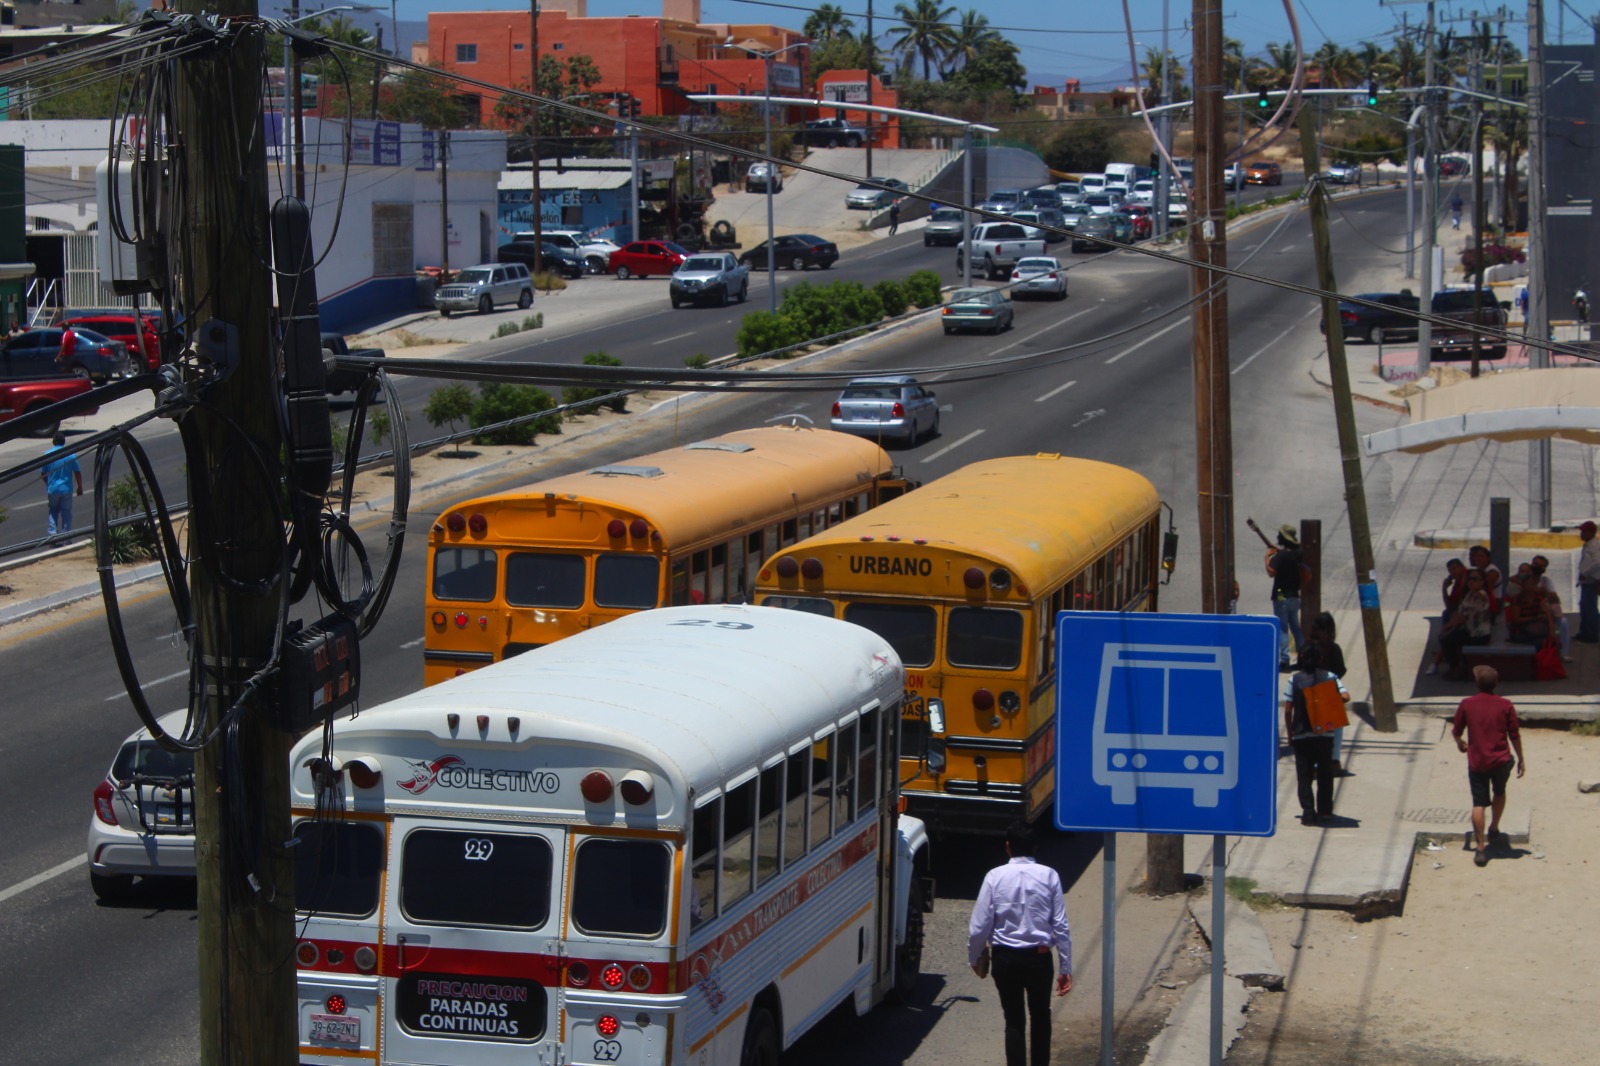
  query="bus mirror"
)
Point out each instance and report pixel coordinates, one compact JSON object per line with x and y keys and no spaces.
{"x":936,"y":755}
{"x":1169,"y":550}
{"x":935,"y":736}
{"x":936,"y":716}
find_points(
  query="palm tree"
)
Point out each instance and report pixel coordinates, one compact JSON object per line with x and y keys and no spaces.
{"x":828,"y":23}
{"x":1159,"y":78}
{"x":1341,"y":67}
{"x":969,"y":40}
{"x":1277,"y":70}
{"x":1234,"y":64}
{"x":1407,"y":63}
{"x":927,"y":34}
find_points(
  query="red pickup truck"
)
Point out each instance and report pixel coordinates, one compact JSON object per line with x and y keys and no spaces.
{"x":21,"y":397}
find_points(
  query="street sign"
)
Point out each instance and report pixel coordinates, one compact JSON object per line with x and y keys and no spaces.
{"x":1166,"y":723}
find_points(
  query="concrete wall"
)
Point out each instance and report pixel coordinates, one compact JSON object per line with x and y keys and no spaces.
{"x":1007,"y":168}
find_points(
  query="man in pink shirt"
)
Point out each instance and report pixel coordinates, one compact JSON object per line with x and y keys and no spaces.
{"x":1490,"y":724}
{"x":1019,"y":915}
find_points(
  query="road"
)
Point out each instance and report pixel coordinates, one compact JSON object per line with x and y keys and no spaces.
{"x":94,"y":983}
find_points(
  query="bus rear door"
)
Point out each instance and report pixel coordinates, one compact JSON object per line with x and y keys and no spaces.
{"x":472,"y":942}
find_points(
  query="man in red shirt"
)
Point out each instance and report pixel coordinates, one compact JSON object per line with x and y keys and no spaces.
{"x":1490,"y":723}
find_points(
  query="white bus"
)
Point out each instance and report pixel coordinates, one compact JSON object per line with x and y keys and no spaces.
{"x":672,"y":839}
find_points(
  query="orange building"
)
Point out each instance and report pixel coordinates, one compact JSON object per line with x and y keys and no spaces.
{"x":658,"y":61}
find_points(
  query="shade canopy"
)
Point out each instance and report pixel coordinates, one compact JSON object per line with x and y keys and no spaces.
{"x":1559,"y":402}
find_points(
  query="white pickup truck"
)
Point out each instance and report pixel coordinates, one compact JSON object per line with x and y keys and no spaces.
{"x":996,"y":247}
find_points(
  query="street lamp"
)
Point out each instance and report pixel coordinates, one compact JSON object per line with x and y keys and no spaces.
{"x":291,"y":91}
{"x":766,"y":109}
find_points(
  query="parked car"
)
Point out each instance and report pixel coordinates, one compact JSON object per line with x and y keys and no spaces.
{"x":830,"y":133}
{"x":143,"y":820}
{"x":484,"y":286}
{"x":887,"y":409}
{"x":756,"y":178}
{"x":594,"y":251}
{"x":643,"y":259}
{"x":142,"y":339}
{"x":1039,"y":275}
{"x":871,"y":197}
{"x":557,"y":260}
{"x":945,"y":226}
{"x":1448,"y":343}
{"x":1046,"y":222}
{"x":986,"y":309}
{"x":1263,"y":172}
{"x":341,"y":380}
{"x":32,"y":354}
{"x":714,"y":276}
{"x":1116,"y":229}
{"x":797,"y":251}
{"x":1362,"y":323}
{"x":18,"y":398}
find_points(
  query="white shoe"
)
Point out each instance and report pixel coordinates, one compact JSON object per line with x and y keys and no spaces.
{"x":1433,"y":668}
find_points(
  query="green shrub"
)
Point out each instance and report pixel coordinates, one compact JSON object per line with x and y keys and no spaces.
{"x":132,"y":542}
{"x":811,"y":312}
{"x":534,"y":321}
{"x":763,"y":331}
{"x":548,"y":282}
{"x":576,"y":394}
{"x":857,"y":304}
{"x":378,"y":425}
{"x":892,"y":295}
{"x":448,"y":405}
{"x":923,"y":288}
{"x":506,"y":329}
{"x":697,"y":361}
{"x":499,"y":403}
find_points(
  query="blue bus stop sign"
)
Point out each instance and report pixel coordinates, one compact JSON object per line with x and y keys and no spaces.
{"x":1166,"y":723}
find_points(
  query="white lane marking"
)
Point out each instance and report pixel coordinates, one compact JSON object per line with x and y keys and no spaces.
{"x":953,"y":445}
{"x":1293,"y":326}
{"x":1042,"y":332}
{"x":1154,"y":336}
{"x":39,"y":879}
{"x":413,"y":643}
{"x":148,"y":685}
{"x":1054,"y":391}
{"x":669,"y":340}
{"x":1089,"y":416}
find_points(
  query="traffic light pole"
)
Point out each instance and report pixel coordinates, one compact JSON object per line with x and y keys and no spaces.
{"x":245,"y":884}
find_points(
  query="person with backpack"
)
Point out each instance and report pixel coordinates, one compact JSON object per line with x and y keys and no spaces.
{"x":1313,"y":748}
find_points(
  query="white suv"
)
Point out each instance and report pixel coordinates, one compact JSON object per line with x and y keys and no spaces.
{"x":483,"y":286}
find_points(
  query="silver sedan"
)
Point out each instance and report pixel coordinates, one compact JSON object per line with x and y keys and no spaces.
{"x":887,"y":409}
{"x":1039,"y":275}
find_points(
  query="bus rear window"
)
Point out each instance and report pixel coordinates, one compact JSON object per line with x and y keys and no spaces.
{"x":619,"y":888}
{"x":464,"y":574}
{"x":632,"y":582}
{"x":449,"y":877}
{"x":337,"y":868}
{"x":911,"y":630}
{"x":807,"y":604}
{"x":543,"y":579}
{"x":984,"y":637}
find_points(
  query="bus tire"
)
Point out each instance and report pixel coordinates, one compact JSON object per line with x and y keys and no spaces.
{"x":908,"y":956}
{"x":760,"y":1040}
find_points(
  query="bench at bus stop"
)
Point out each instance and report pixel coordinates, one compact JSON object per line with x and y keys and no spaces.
{"x":1513,"y":662}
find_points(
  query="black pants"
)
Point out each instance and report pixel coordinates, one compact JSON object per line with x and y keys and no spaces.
{"x":1023,"y":977}
{"x":1313,"y":757}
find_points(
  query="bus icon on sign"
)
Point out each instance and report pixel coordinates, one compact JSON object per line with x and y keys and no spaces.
{"x":1164,"y":717}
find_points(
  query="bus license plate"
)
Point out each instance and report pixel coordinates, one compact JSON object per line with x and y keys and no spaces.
{"x":335,"y":1029}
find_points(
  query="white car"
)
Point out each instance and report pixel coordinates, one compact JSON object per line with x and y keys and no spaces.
{"x":143,"y":820}
{"x":755,"y":179}
{"x":1144,"y":192}
{"x":1039,"y":275}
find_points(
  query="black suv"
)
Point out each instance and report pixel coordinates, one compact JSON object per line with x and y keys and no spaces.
{"x":1373,"y":324}
{"x":559,"y":261}
{"x":1392,"y":322}
{"x":830,"y":133}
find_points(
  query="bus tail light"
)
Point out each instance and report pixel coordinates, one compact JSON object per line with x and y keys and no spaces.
{"x":639,"y":977}
{"x":811,"y":569}
{"x":608,"y":1025}
{"x":637,"y":787}
{"x":336,"y":1004}
{"x":366,"y":959}
{"x":612,"y":976}
{"x":973,"y":578}
{"x":638,"y":528}
{"x":461,"y":619}
{"x":616,"y":527}
{"x":307,"y":953}
{"x":455,"y":522}
{"x":577,"y":974}
{"x":439,"y":618}
{"x":478,"y":524}
{"x":787,"y":567}
{"x":596,"y":786}
{"x":983,"y":700}
{"x":104,"y":809}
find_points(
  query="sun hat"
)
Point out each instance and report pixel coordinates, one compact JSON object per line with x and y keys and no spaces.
{"x":1288,"y":533}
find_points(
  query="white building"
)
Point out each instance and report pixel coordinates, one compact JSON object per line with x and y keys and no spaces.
{"x":391,"y":182}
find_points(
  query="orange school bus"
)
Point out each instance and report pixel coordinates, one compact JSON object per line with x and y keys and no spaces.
{"x":524,"y":568}
{"x":964,"y":577}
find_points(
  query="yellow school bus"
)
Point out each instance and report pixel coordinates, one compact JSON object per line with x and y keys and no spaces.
{"x":520,"y":569}
{"x":964,"y":577}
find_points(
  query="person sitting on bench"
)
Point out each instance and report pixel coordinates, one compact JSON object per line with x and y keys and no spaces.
{"x":1528,"y":613}
{"x":1470,"y":625}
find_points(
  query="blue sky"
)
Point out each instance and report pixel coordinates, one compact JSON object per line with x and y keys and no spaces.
{"x":1058,"y":40}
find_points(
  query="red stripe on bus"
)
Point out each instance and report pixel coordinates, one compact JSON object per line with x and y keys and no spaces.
{"x":779,"y":903}
{"x":548,"y":970}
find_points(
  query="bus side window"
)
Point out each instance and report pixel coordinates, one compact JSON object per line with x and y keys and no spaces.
{"x":821,"y":790}
{"x":703,"y":862}
{"x":805,"y":527}
{"x":738,"y":842}
{"x":788,"y":536}
{"x":797,"y":785}
{"x":769,"y":826}
{"x":680,"y":582}
{"x":867,"y":764}
{"x":754,"y":557}
{"x":719,"y":574}
{"x":738,"y":587}
{"x":697,"y":577}
{"x":844,"y":764}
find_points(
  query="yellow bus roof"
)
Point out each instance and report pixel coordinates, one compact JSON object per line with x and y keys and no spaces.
{"x":1041,"y":517}
{"x":711,"y":487}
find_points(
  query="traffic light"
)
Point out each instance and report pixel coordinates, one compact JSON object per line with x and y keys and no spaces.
{"x":634,"y":107}
{"x":1262,"y":103}
{"x":1372,"y":93}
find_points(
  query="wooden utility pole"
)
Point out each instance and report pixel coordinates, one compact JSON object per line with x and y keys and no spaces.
{"x":1537,"y":326}
{"x":444,"y":205}
{"x":1212,"y":399}
{"x":236,"y":556}
{"x":1355,"y":498}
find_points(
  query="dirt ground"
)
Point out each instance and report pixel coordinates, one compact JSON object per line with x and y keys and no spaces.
{"x":1485,"y":965}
